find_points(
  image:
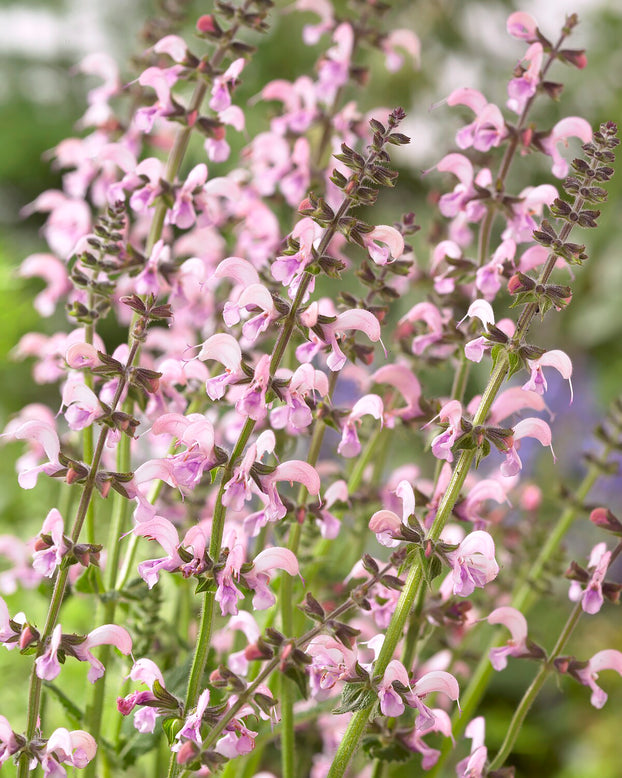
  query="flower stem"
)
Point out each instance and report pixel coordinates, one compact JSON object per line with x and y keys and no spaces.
{"x":94,"y":711}
{"x":534,"y":688}
{"x":522,"y":599}
{"x":288,"y":761}
{"x":34,"y":694}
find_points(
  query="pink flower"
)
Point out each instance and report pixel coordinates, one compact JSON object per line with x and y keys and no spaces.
{"x":192,"y":726}
{"x":45,"y":435}
{"x":252,"y":403}
{"x":46,"y":558}
{"x":334,"y":69}
{"x":296,"y":413}
{"x":488,"y":129}
{"x":226,"y":350}
{"x":522,"y":89}
{"x":330,"y":524}
{"x":47,"y":665}
{"x":160,"y":80}
{"x":592,"y":596}
{"x":450,"y":413}
{"x":393,"y":240}
{"x":69,"y":220}
{"x":172,"y":45}
{"x":164,"y":532}
{"x":516,"y":646}
{"x":473,"y":766}
{"x":387,"y":526}
{"x":473,"y":563}
{"x":54,"y":273}
{"x":288,"y":267}
{"x":107,"y":634}
{"x":391,"y":703}
{"x":81,"y":403}
{"x":331,"y":663}
{"x":150,"y":279}
{"x":368,"y":405}
{"x":293,"y":470}
{"x":259,"y":576}
{"x":609,"y":659}
{"x":488,"y":277}
{"x":104,"y":67}
{"x":434,"y":681}
{"x":238,"y":740}
{"x":522,"y":25}
{"x":513,"y":400}
{"x":76,"y":748}
{"x":147,"y":672}
{"x":433,"y":318}
{"x":463,"y":198}
{"x":182,"y":214}
{"x":185,"y":469}
{"x":222,"y":86}
{"x":487,"y":489}
{"x":556,"y":359}
{"x":311,"y":34}
{"x":532,"y":427}
{"x":399,"y":376}
{"x":299,"y":105}
{"x":570,"y":127}
{"x":9,"y":743}
{"x":522,"y":222}
{"x":8,"y":635}
{"x":332,"y":331}
{"x":227,"y":594}
{"x":400,"y":39}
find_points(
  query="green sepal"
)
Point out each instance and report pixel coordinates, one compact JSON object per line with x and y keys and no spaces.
{"x":392,"y":751}
{"x":515,"y":363}
{"x":355,"y":698}
{"x":90,"y":581}
{"x":171,"y":726}
{"x":300,"y":678}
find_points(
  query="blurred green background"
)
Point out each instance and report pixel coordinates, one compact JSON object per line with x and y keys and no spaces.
{"x":463,"y":44}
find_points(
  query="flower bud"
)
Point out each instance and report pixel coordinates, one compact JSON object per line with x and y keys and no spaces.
{"x":606,"y":520}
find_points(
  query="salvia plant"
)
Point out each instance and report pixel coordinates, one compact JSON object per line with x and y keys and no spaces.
{"x":293,"y":507}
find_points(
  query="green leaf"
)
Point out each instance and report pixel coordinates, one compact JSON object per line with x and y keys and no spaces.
{"x":515,"y":362}
{"x":354,"y":698}
{"x":391,"y":751}
{"x":300,"y":678}
{"x":171,"y":727}
{"x":75,"y":714}
{"x":90,"y":582}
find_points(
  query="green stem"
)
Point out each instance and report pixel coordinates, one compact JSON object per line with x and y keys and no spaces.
{"x":532,"y":692}
{"x":204,"y":637}
{"x":412,"y":633}
{"x":287,"y":691}
{"x":34,"y":693}
{"x":94,"y":711}
{"x":350,"y":741}
{"x":522,"y":599}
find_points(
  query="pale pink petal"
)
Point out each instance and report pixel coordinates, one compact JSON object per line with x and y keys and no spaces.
{"x":224,"y":349}
{"x":470,"y":97}
{"x":299,"y":471}
{"x":522,"y":25}
{"x":533,"y":428}
{"x":172,"y":45}
{"x":512,"y":619}
{"x":437,"y":681}
{"x":276,"y":558}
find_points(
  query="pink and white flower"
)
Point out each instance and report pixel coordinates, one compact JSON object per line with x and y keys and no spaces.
{"x":517,"y":624}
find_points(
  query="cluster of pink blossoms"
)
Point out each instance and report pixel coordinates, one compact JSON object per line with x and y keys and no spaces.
{"x":246,"y":422}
